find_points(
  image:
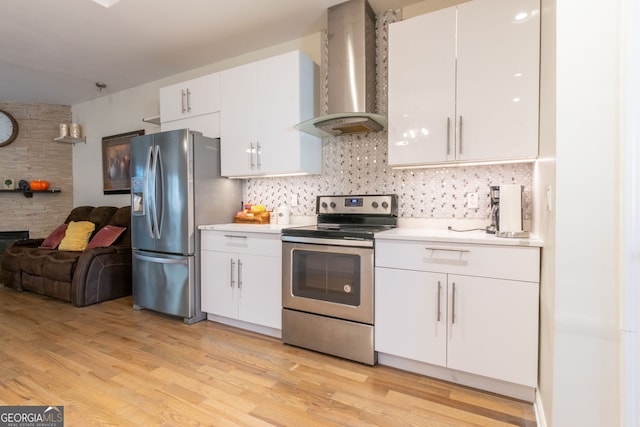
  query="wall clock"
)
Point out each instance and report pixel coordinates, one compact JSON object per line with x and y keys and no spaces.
{"x":8,"y":128}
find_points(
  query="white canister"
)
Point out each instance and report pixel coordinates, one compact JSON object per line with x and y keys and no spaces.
{"x":64,"y":130}
{"x":74,"y":130}
{"x":273,"y":217}
{"x":510,"y":208}
{"x":510,"y":223}
{"x":283,"y":215}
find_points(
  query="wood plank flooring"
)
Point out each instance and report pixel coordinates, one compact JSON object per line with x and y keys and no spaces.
{"x":109,"y":365}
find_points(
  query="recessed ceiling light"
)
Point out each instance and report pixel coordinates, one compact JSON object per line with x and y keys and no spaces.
{"x":106,"y":3}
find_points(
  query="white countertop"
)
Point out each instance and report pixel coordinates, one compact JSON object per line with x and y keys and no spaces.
{"x":442,"y":235}
{"x":247,"y":228}
{"x":400,"y":233}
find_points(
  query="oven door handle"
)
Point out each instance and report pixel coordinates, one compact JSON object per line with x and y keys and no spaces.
{"x":332,"y":242}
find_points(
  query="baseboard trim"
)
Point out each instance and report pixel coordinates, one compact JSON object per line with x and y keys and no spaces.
{"x":264,"y":330}
{"x":541,"y":421}
{"x":516,"y":391}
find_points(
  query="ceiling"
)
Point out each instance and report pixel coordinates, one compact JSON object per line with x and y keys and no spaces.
{"x":56,"y":51}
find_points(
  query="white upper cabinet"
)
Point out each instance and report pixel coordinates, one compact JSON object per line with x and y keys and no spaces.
{"x":191,"y":98}
{"x":261,"y":104}
{"x":194,"y":104}
{"x":467,"y":89}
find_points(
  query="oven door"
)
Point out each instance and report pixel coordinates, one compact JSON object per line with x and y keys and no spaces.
{"x":335,"y":281}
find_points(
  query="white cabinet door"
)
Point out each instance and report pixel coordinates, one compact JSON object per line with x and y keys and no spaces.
{"x":411,"y":319}
{"x":239,"y":121}
{"x":218,"y":283}
{"x":279,"y":86}
{"x":191,"y":98}
{"x":498,"y":79}
{"x":422,"y":89}
{"x":260,"y":294}
{"x":261,"y":104}
{"x":493,"y":328}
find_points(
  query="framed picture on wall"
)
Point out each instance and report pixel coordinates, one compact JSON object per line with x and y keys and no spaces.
{"x":116,"y":158}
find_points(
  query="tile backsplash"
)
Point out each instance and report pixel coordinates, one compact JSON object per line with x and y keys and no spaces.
{"x":357,"y":164}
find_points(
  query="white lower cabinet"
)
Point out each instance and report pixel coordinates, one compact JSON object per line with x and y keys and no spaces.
{"x":241,"y":276}
{"x":431,"y":308}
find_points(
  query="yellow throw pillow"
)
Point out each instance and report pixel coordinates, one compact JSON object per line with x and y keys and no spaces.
{"x":77,"y":236}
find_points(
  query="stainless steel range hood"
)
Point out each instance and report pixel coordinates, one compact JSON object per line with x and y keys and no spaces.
{"x":351,"y":73}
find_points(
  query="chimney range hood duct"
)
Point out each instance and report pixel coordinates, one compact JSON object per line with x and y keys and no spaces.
{"x":351,"y":73}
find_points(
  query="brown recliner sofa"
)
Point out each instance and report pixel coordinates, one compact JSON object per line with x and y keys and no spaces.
{"x":80,"y":277}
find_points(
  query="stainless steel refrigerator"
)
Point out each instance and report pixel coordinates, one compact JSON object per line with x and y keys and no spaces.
{"x":175,"y":186}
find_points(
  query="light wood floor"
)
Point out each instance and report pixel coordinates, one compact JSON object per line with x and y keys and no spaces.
{"x":110,"y":365}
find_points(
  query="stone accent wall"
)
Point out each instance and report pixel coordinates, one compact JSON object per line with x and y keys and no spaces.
{"x":34,"y":155}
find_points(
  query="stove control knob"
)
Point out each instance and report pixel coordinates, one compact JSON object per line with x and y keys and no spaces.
{"x":374,"y":205}
{"x":333,"y":205}
{"x":385,"y":205}
{"x":324,"y":205}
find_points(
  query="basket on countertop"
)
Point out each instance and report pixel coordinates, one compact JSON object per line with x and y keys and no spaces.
{"x":252,"y":218}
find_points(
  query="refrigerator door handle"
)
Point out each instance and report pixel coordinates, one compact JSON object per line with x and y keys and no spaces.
{"x":148,"y":195}
{"x":159,"y":217}
{"x":160,"y":260}
{"x":153,"y":191}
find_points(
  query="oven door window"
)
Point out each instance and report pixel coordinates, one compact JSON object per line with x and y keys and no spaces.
{"x":327,"y":277}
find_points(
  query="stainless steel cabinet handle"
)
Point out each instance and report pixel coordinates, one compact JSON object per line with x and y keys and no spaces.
{"x":439,"y":291}
{"x":258,"y":160}
{"x":448,"y":250}
{"x":239,"y":274}
{"x":237,"y":236}
{"x":448,"y":135}
{"x":188,"y":100}
{"x":453,"y":304}
{"x":233,"y":267}
{"x":182,"y":99}
{"x":251,"y":155}
{"x":460,"y":140}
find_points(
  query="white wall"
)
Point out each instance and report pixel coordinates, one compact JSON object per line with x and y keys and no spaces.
{"x":545,"y":208}
{"x":122,"y":112}
{"x":631,"y":225}
{"x":586,"y":372}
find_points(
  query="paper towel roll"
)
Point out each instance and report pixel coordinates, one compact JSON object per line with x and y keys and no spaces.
{"x":510,"y":208}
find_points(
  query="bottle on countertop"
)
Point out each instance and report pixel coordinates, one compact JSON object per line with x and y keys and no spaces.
{"x":283,"y":215}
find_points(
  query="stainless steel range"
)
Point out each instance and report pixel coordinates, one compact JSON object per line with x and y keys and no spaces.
{"x":327,"y":276}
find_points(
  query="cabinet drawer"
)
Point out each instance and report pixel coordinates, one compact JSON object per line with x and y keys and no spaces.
{"x":502,"y":262}
{"x":241,"y":243}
